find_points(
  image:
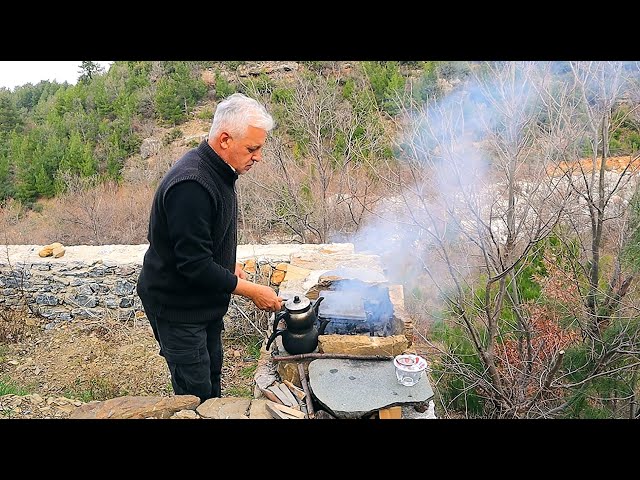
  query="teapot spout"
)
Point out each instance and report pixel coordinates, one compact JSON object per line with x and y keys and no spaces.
{"x":323,"y":325}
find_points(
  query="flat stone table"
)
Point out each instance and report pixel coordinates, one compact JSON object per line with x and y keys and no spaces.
{"x":358,"y":388}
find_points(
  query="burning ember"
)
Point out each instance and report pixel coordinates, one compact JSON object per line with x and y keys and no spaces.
{"x":356,"y":309}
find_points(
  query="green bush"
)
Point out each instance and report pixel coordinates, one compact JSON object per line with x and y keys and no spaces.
{"x":177,"y":93}
{"x":282,"y":95}
{"x":593,"y":399}
{"x":233,"y":66}
{"x":426,"y":87}
{"x":631,"y":251}
{"x":223,"y":87}
{"x":171,"y":136}
{"x":453,"y":388}
{"x":205,"y":114}
{"x":387,"y":84}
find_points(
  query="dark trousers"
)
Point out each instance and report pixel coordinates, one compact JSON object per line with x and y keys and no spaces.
{"x":193,"y":352}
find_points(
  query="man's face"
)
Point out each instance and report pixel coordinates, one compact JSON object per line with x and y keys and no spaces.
{"x":242,"y":152}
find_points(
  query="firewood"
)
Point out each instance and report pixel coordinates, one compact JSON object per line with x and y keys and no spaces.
{"x":275,"y":413}
{"x":297,"y":391}
{"x":305,"y":387}
{"x":270,"y":395}
{"x":391,"y":412}
{"x":278,"y":393}
{"x":287,"y":393}
{"x":289,"y":411}
{"x":302,"y":405}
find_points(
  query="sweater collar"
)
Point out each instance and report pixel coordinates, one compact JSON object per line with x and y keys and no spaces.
{"x":219,"y":165}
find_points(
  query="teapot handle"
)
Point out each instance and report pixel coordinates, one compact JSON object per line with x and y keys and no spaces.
{"x":275,"y":332}
{"x":273,"y":337}
{"x":277,"y":319}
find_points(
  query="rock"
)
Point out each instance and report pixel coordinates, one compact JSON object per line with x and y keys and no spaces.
{"x":137,"y":407}
{"x":324,"y":415}
{"x":250,"y":266}
{"x":277,"y":277}
{"x":188,"y":414}
{"x":258,"y":410}
{"x":56,"y":249}
{"x":363,"y":344}
{"x":225,"y":408}
{"x":150,"y":146}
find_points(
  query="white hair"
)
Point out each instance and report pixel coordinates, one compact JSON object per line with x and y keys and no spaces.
{"x":236,"y":112}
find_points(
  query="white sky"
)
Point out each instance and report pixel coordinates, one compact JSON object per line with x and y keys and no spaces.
{"x":13,"y":74}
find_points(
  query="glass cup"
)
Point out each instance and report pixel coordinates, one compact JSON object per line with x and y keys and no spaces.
{"x":409,"y":369}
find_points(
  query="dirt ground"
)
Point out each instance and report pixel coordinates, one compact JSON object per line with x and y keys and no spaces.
{"x":87,"y":360}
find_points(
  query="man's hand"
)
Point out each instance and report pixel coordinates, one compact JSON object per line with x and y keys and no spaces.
{"x":263,"y":296}
{"x":240,"y":272}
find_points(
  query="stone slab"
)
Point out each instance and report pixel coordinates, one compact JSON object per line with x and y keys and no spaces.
{"x":363,"y":274}
{"x":358,"y":388}
{"x":134,"y":254}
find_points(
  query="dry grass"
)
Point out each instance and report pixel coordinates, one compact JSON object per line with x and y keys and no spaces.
{"x":102,"y":215}
{"x":98,"y":360}
{"x":12,"y":326}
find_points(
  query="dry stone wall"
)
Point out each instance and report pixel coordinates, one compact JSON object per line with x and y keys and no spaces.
{"x":100,"y":281}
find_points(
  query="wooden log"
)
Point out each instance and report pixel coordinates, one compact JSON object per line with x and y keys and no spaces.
{"x":270,"y":395}
{"x":297,"y":391}
{"x":390,"y":413}
{"x":275,"y":413}
{"x":287,"y":393}
{"x":289,"y":411}
{"x":305,"y":387}
{"x":281,"y":396}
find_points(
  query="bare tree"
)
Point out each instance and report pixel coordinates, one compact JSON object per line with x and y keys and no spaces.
{"x":603,"y":191}
{"x":317,"y":185}
{"x":94,"y":213}
{"x":481,"y":192}
{"x":493,"y":171}
{"x":599,"y":226}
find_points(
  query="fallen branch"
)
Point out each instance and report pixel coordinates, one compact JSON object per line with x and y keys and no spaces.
{"x":306,"y":356}
{"x":305,"y":387}
{"x":242,"y":312}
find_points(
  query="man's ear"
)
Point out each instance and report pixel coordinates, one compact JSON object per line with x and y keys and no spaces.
{"x":224,"y":140}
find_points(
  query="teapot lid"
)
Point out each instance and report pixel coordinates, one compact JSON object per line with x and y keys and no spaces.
{"x":297,"y":304}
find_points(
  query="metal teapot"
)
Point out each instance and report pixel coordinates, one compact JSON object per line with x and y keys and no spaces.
{"x":301,"y":334}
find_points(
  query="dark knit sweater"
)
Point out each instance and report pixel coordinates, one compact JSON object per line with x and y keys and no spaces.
{"x":188,"y":269}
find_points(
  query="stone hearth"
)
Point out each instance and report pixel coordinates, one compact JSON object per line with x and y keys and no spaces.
{"x":387,"y":342}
